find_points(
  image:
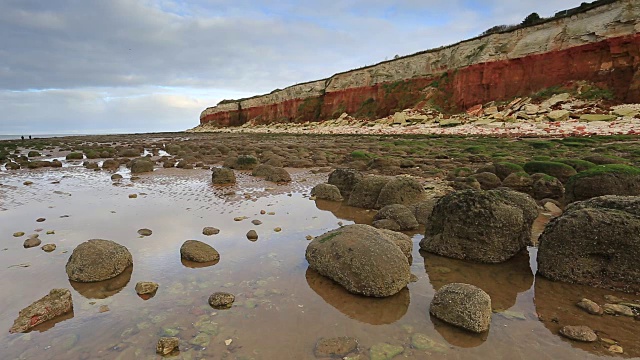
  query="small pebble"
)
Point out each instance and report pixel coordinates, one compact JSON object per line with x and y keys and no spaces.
{"x":18,"y":234}
{"x":271,"y":213}
{"x":145,"y":232}
{"x":133,"y":196}
{"x":616,"y":349}
{"x":262,"y":212}
{"x":252,"y":235}
{"x":277,"y":229}
{"x":48,"y":247}
{"x":27,"y":183}
{"x":50,"y":232}
{"x":256,"y":222}
{"x":40,"y":219}
{"x":210,"y":231}
{"x":103,"y":308}
{"x":309,"y":237}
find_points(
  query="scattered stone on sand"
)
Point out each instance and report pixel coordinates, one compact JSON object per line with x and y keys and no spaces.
{"x":462,"y":305}
{"x":221,"y":300}
{"x":197,"y":251}
{"x":146,"y":287}
{"x":133,"y":196}
{"x":335,"y":347}
{"x":32,"y":242}
{"x":590,"y":307}
{"x":27,"y":183}
{"x":18,"y":234}
{"x":618,"y":309}
{"x":485,"y":226}
{"x":579,"y":333}
{"x":256,"y":222}
{"x":116,"y":177}
{"x":97,"y":260}
{"x":361,"y":259}
{"x":262,"y":212}
{"x":385,"y":351}
{"x":278,"y":229}
{"x":208,"y":231}
{"x":593,"y":242}
{"x":252,"y":235}
{"x":222,"y":176}
{"x":326,"y":192}
{"x":239,"y":218}
{"x":50,"y":232}
{"x":167,"y":345}
{"x":40,"y":219}
{"x":48,"y":247}
{"x":57,"y":302}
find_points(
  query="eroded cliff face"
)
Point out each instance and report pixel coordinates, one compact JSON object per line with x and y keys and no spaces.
{"x":601,"y":45}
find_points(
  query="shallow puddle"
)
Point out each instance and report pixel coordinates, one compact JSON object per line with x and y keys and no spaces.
{"x":281,"y":306}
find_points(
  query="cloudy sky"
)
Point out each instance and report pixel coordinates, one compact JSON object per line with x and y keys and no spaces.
{"x":114,"y":66}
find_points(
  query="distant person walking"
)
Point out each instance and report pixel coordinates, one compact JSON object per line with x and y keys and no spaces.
{"x":29,"y":137}
{"x":22,"y":137}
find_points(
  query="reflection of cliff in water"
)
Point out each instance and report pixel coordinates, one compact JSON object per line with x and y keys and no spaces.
{"x":503,"y":282}
{"x":370,"y":310}
{"x":555,"y":304}
{"x":343,"y":211}
{"x":457,"y":336}
{"x":103,"y":289}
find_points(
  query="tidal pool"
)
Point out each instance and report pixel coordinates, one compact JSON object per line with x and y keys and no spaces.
{"x":282,"y":308}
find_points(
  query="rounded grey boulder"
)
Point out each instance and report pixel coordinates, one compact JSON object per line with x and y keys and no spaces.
{"x":365,"y":193}
{"x":401,"y":214}
{"x":485,"y":226}
{"x":361,"y":258}
{"x":326,"y":192}
{"x":462,"y":305}
{"x":403,"y":190}
{"x":345,"y":179}
{"x":197,"y":251}
{"x":97,"y":260}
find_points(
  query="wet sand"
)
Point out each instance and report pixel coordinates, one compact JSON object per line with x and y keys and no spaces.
{"x":282,"y":308}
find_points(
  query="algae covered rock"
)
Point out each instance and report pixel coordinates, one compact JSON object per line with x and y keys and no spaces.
{"x":326,"y":192}
{"x":612,"y":179}
{"x":345,"y":179}
{"x":594,"y":242}
{"x":462,"y":305}
{"x":361,"y":259}
{"x":366,"y":191}
{"x":402,"y":190}
{"x":141,"y":165}
{"x":399,"y":214}
{"x":222,"y":176}
{"x":97,"y":260}
{"x":485,"y":226}
{"x":556,"y":169}
{"x":242,"y":162}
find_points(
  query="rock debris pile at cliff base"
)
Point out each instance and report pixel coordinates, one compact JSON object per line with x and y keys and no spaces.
{"x":560,"y":115}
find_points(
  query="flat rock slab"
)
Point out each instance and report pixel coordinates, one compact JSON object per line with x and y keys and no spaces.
{"x":57,"y":302}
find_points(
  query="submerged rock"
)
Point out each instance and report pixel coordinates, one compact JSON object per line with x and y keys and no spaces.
{"x":197,"y":251}
{"x":462,"y":305}
{"x":385,"y":351}
{"x":590,"y":307}
{"x":335,"y":347}
{"x":221,"y":300}
{"x":361,"y":258}
{"x":146,"y":287}
{"x":97,"y":260}
{"x":57,"y":302}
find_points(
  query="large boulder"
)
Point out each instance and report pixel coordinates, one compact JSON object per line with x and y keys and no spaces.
{"x":57,"y":302}
{"x":365,"y":193}
{"x":345,"y":179}
{"x":97,"y":260}
{"x":462,"y":305}
{"x":222,"y":176}
{"x":400,"y":214}
{"x":362,"y":259}
{"x":403,"y":190}
{"x":326,"y":192}
{"x":594,"y":242}
{"x":141,"y":165}
{"x":423,"y":209}
{"x":614,"y":179}
{"x":197,"y":251}
{"x":485,"y":226}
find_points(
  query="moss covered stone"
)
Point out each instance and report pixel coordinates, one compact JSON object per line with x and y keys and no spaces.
{"x":611,"y":179}
{"x":556,"y":169}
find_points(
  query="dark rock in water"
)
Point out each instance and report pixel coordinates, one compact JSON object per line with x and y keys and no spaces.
{"x":579,"y":333}
{"x":326,"y":192}
{"x":145,"y":232}
{"x":146,"y":287}
{"x":221,"y":300}
{"x":335,"y":347}
{"x":345,"y":179}
{"x":97,"y":260}
{"x":402,"y":190}
{"x":167,"y":345}
{"x":222,"y":176}
{"x":365,"y":193}
{"x":141,"y":165}
{"x":197,"y":251}
{"x":486,"y":226}
{"x":252,"y":235}
{"x":487,"y":180}
{"x":360,"y":258}
{"x":210,"y":231}
{"x":57,"y":302}
{"x":594,"y":242}
{"x":462,"y":305}
{"x":400,"y":214}
{"x":32,"y":242}
{"x":590,"y":307}
{"x":602,"y":180}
